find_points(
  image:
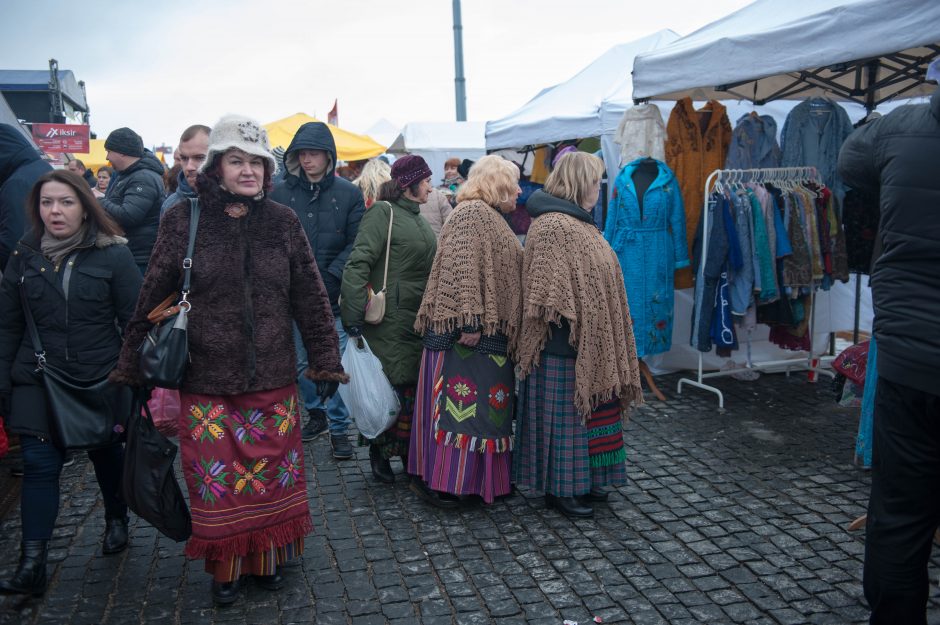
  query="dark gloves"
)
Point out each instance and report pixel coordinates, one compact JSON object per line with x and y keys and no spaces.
{"x":326,"y":389}
{"x":332,"y":284}
{"x":354,"y":332}
{"x":5,"y":397}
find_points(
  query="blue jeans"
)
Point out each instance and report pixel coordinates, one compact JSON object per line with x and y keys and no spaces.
{"x":336,"y":413}
{"x":42,"y":465}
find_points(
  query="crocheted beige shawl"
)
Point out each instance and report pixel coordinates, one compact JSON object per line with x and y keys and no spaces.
{"x":570,"y":271}
{"x":476,"y":276}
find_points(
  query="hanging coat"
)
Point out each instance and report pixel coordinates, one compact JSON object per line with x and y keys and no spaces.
{"x":693,"y":152}
{"x":641,"y":133}
{"x":812,"y":135}
{"x":650,"y":245}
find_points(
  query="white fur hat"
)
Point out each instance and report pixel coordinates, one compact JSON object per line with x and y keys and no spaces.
{"x":238,"y":131}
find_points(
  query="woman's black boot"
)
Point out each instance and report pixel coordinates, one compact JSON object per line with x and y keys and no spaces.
{"x":30,"y":575}
{"x":569,"y":506}
{"x":115,"y":536}
{"x":381,"y":468}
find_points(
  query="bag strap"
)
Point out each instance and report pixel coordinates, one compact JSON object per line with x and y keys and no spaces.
{"x":388,"y":243}
{"x":31,"y":326}
{"x":188,"y":260}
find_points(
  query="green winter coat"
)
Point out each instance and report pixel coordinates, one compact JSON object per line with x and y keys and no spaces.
{"x":394,"y":341}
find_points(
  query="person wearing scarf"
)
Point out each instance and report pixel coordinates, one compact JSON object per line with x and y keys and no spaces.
{"x":576,"y":350}
{"x":80,"y":283}
{"x":253,"y":277}
{"x":461,"y":441}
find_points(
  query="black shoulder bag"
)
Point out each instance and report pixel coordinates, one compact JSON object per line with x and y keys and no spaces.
{"x":164,"y":353}
{"x":85,"y":414}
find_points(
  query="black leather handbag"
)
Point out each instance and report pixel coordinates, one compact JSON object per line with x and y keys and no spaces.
{"x":85,"y":414}
{"x":149,"y":485}
{"x":164,"y":353}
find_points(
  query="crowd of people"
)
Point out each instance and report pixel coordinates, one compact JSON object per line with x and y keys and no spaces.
{"x":512,"y":365}
{"x":283,"y":266}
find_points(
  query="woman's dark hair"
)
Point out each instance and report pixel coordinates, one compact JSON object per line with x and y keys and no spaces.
{"x":110,"y":170}
{"x":390,"y":192}
{"x":97,"y":216}
{"x":209,"y":181}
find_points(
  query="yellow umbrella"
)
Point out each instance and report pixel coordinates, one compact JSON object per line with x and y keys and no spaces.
{"x":349,"y":145}
{"x":96,"y":156}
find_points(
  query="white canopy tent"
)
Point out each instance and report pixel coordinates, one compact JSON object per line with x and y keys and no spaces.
{"x":572,"y":109}
{"x":436,"y":142}
{"x":383,"y":132}
{"x":862,"y":51}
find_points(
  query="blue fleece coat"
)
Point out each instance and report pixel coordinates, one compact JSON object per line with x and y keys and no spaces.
{"x":650,"y":247}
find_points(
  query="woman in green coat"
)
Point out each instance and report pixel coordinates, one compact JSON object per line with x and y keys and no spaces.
{"x":394,"y":340}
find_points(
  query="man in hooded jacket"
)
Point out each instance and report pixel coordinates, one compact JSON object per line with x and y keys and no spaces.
{"x":330,"y":209}
{"x":135,"y":196}
{"x":20,"y":166}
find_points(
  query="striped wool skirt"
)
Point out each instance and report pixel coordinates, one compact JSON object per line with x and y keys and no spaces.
{"x":555,"y":454}
{"x":446,"y":466}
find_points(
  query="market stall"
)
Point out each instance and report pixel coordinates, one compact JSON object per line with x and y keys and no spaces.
{"x":349,"y":145}
{"x":436,"y":142}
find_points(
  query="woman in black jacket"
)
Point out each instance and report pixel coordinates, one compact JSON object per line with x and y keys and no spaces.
{"x":81,"y":285}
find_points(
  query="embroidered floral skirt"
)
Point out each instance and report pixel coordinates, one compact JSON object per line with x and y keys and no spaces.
{"x":243,"y":462}
{"x":555,"y":454}
{"x":462,"y":464}
{"x":394,"y":441}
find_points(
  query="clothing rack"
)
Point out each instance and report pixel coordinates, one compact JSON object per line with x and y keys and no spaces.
{"x":770,"y":175}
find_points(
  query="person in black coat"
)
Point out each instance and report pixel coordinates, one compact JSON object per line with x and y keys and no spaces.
{"x":135,"y":196}
{"x":20,"y":166}
{"x":330,"y":209}
{"x":81,"y":285}
{"x":897,"y":158}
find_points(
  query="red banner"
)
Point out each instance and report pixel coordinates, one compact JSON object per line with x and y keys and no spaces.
{"x":59,"y":138}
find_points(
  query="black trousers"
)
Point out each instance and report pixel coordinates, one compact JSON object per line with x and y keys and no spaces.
{"x":904,"y":508}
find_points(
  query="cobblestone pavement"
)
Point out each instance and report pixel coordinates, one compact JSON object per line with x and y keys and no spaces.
{"x":733,"y":517}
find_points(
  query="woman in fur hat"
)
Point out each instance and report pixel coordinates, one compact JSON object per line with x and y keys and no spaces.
{"x":80,"y":283}
{"x":393,"y":340}
{"x":576,"y":348}
{"x":253,"y":276}
{"x":461,"y":438}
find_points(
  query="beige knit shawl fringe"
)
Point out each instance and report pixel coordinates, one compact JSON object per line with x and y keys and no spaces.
{"x":476,"y":279}
{"x":570,"y":271}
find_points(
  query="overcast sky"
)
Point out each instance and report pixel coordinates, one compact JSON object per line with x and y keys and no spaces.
{"x":158,"y":67}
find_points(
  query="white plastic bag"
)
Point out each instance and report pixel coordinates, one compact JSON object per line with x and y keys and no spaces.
{"x":369,"y":396}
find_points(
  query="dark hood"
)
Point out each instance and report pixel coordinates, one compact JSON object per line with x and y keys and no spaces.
{"x":15,"y":151}
{"x":310,"y":136}
{"x":541,"y":203}
{"x":147,"y":161}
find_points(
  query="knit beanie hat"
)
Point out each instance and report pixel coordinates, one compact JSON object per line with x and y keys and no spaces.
{"x":238,"y":131}
{"x":125,"y":141}
{"x":409,"y":169}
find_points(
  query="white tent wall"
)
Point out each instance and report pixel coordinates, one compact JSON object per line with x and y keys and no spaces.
{"x":436,"y":142}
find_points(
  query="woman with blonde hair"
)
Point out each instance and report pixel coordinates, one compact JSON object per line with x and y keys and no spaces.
{"x":469,"y":318}
{"x":374,"y":173}
{"x":576,"y":348}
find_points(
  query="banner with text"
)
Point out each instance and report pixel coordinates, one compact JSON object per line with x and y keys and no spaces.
{"x":59,"y":138}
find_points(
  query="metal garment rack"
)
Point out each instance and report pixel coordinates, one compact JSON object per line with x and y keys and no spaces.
{"x":779,"y":174}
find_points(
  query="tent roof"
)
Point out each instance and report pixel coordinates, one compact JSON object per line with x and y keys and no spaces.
{"x":383,"y":131}
{"x":570,"y":110}
{"x":794,"y":49}
{"x":38,"y":80}
{"x":7,"y":116}
{"x":422,"y":136}
{"x":96,"y":156}
{"x":349,"y":145}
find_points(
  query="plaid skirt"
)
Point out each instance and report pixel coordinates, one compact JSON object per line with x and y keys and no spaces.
{"x":243,"y":462}
{"x":445,"y":467}
{"x":554,"y":453}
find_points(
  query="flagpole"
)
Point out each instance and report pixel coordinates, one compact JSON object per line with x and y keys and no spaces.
{"x":459,"y":81}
